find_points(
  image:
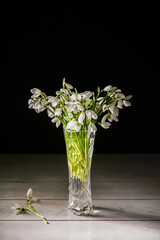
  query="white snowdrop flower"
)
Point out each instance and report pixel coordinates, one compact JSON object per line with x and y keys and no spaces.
{"x":98,"y":106}
{"x":118,"y":90}
{"x":120,"y":104}
{"x":104,"y":118}
{"x":101,"y":101}
{"x":39,"y":108}
{"x":50,"y":114}
{"x":105,"y":125}
{"x":73,"y":97}
{"x":66,"y":118}
{"x":128,"y":97}
{"x":54,"y":120}
{"x":37,"y":92}
{"x":104,"y":108}
{"x":37,"y":103}
{"x":81,"y":118}
{"x":79,"y":97}
{"x":111,"y":117}
{"x":93,"y":114}
{"x":121,"y":95}
{"x":70,"y":108}
{"x":72,"y":124}
{"x":126,"y":103}
{"x":58,"y":123}
{"x":18,"y":208}
{"x":51,"y":98}
{"x":55,"y":102}
{"x":30,"y":101}
{"x":87,"y":103}
{"x":43,"y":102}
{"x":108,"y":88}
{"x":87,"y":95}
{"x":114,"y":110}
{"x":58,"y":112}
{"x":88,"y":114}
{"x":100,"y":98}
{"x":69,"y":104}
{"x":78,"y":128}
{"x":80,"y":107}
{"x":92,"y":127}
{"x":29,"y":193}
{"x":69,"y":86}
{"x":70,"y":115}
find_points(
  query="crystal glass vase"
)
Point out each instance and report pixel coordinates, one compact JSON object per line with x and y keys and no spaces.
{"x":79,"y":147}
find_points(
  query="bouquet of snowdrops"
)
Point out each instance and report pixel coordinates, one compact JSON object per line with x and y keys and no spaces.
{"x":80,"y":113}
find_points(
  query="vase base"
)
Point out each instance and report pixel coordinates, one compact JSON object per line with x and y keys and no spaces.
{"x":88,"y":210}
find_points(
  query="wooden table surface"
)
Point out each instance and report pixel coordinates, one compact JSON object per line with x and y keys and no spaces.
{"x":125,"y":193}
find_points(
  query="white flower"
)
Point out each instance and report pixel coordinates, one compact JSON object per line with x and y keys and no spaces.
{"x":121,"y":95}
{"x":43,"y":102}
{"x":73,"y":97}
{"x":128,"y":97}
{"x":73,"y":125}
{"x":55,"y":102}
{"x":80,"y":107}
{"x":105,"y":125}
{"x":58,"y":123}
{"x":112,"y":117}
{"x":100,"y":98}
{"x":29,"y":193}
{"x":126,"y":103}
{"x":91,"y":114}
{"x":92,"y":127}
{"x":69,"y":86}
{"x":39,"y":108}
{"x":114,"y":110}
{"x":120,"y":104}
{"x":50,"y":114}
{"x":86,"y":95}
{"x":58,"y":112}
{"x":104,"y":118}
{"x":108,"y":88}
{"x":18,"y":208}
{"x":70,"y":115}
{"x":37,"y":92}
{"x":54,"y":120}
{"x":81,"y":118}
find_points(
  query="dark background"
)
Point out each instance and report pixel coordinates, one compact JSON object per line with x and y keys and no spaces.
{"x":88,"y":48}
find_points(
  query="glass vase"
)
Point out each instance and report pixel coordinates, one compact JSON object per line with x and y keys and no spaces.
{"x":79,"y":148}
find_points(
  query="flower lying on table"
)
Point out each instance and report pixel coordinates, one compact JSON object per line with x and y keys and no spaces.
{"x":30,"y":199}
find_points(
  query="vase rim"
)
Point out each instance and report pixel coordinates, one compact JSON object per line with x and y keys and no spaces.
{"x":73,"y":131}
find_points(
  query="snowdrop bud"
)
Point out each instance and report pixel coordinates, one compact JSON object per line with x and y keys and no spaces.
{"x":93,"y":114}
{"x":55,"y":102}
{"x":105,"y":125}
{"x":36,"y":91}
{"x":88,"y":114}
{"x":108,"y":88}
{"x":81,"y":118}
{"x":29,"y":193}
{"x":69,"y":86}
{"x":128,"y":97}
{"x":126,"y":103}
{"x":70,"y":115}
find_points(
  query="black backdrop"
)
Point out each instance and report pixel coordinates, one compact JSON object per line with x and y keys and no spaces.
{"x":88,"y":49}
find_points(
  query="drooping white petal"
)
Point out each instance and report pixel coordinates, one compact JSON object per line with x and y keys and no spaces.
{"x":87,"y":103}
{"x":79,"y":97}
{"x":36,"y":91}
{"x":120,"y":104}
{"x":105,"y":125}
{"x":118,"y":90}
{"x":30,"y":101}
{"x":121,"y":95}
{"x":128,"y":97}
{"x":89,"y":115}
{"x":70,"y":115}
{"x":58,"y":112}
{"x":50,"y":114}
{"x":69,"y":104}
{"x":78,"y":128}
{"x":113,"y":117}
{"x":39,"y":108}
{"x":55,"y":102}
{"x":108,"y":88}
{"x":73,"y":97}
{"x":54,"y":120}
{"x":81,"y":118}
{"x":80,"y":107}
{"x":87,"y":95}
{"x":43,"y":102}
{"x":93,"y":114}
{"x":92,"y":127}
{"x":111,"y":108}
{"x":115,"y":111}
{"x":126,"y":103}
{"x":72,"y":124}
{"x":104,"y":118}
{"x":50,"y":98}
{"x":58,"y":123}
{"x":29,"y":193}
{"x":100,"y":98}
{"x":69,"y":86}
